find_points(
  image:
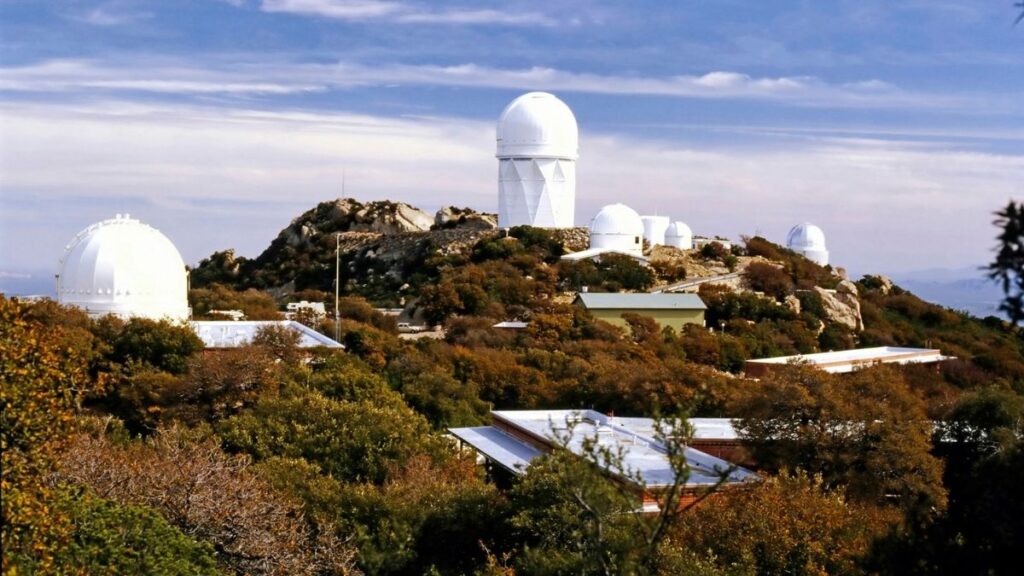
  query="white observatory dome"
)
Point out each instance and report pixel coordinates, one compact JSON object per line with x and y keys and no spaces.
{"x":679,"y":236}
{"x":537,"y":148}
{"x":617,"y":227}
{"x":124,"y":267}
{"x":537,"y":125}
{"x":654,"y":229}
{"x":809,"y":240}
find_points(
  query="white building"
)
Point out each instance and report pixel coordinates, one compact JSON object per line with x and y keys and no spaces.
{"x":654,"y":229}
{"x":516,"y":438}
{"x":679,"y":236}
{"x":538,"y":143}
{"x":617,"y":228}
{"x":808,"y":240}
{"x":849,"y":360}
{"x":219,"y":334}
{"x":124,"y":267}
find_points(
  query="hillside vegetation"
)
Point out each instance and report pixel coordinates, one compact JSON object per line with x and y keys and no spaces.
{"x":338,"y":463}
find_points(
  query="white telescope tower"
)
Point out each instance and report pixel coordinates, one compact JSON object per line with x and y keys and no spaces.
{"x":538,"y":143}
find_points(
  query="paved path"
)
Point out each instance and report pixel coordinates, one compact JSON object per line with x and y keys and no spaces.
{"x":692,"y":282}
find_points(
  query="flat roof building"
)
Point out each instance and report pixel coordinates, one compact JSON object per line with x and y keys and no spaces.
{"x":848,"y":360}
{"x":517,"y":437}
{"x":668,"y":309}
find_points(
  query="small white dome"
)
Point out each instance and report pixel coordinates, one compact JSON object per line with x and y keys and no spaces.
{"x":617,"y":227}
{"x":537,"y":125}
{"x":617,"y":219}
{"x":809,"y":240}
{"x":124,"y":267}
{"x":679,"y":236}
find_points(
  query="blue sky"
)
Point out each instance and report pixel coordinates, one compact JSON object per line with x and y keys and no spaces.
{"x":896,"y":126}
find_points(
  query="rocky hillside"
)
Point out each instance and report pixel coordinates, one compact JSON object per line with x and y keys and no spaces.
{"x":382,"y":244}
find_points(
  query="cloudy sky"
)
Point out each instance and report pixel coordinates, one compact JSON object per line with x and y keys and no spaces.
{"x":896,"y":126}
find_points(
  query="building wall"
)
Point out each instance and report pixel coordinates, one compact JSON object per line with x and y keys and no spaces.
{"x":674,"y":318}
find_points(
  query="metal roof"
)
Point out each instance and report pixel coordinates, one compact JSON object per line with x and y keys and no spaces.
{"x":231,"y":334}
{"x":641,"y":301}
{"x":512,"y":454}
{"x":644,"y":457}
{"x":598,"y":252}
{"x":511,"y":324}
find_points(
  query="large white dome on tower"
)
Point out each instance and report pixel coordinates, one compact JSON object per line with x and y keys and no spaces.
{"x":124,"y":267}
{"x":809,"y":240}
{"x":537,"y":148}
{"x":538,"y":125}
{"x":679,"y":236}
{"x":617,"y":227}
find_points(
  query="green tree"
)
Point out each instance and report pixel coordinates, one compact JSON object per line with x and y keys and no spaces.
{"x":1008,"y":266}
{"x":158,"y":343}
{"x":115,"y":539}
{"x":351,"y":440}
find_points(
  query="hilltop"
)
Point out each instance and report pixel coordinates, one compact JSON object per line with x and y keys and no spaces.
{"x":348,"y":448}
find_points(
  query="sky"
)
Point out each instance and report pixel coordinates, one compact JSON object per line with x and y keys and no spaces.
{"x":895,"y":126}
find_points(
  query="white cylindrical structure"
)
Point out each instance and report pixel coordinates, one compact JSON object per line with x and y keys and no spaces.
{"x":654,"y":229}
{"x":679,"y":236}
{"x":618,"y":227}
{"x":808,"y":240}
{"x":121,"y":266}
{"x":538,"y":143}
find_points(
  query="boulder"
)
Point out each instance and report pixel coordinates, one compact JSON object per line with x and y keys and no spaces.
{"x":847,"y":287}
{"x":793,"y":303}
{"x":841,"y":307}
{"x":464,"y":218}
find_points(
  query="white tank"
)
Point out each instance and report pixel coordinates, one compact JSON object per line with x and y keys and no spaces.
{"x":124,"y":267}
{"x":654,"y":229}
{"x":617,"y":227}
{"x":538,"y":143}
{"x":808,"y":240}
{"x":679,"y":236}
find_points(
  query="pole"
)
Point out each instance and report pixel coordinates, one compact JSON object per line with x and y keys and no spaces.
{"x":337,"y":277}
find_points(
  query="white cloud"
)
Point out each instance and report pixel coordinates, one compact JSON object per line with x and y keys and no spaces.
{"x":403,"y":12}
{"x":109,"y":14}
{"x":220,"y":177}
{"x":82,"y":75}
{"x":250,"y":77}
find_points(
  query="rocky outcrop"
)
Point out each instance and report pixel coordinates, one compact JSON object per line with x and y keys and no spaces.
{"x":573,"y":239}
{"x":464,"y":218}
{"x":793,"y":303}
{"x":841,"y":305}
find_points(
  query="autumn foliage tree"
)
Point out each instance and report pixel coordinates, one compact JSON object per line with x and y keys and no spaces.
{"x":210,"y":496}
{"x":864,"y":431}
{"x":786,"y":524}
{"x":39,"y":383}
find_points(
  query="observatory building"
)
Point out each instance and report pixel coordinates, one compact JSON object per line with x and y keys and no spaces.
{"x":808,"y":240}
{"x":654,"y":229}
{"x":617,"y":228}
{"x":679,"y":236}
{"x":538,"y":143}
{"x":124,"y":267}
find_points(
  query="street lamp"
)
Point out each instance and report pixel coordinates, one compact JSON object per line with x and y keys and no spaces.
{"x":337,"y":277}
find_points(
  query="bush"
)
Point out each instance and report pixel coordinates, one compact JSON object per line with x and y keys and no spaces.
{"x":110,"y":538}
{"x":714,"y":251}
{"x":769,"y":279}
